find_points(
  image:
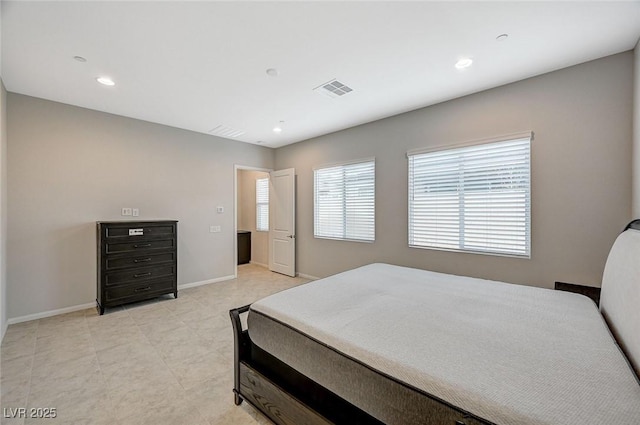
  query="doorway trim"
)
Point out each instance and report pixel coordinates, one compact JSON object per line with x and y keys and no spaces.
{"x":236,"y":169}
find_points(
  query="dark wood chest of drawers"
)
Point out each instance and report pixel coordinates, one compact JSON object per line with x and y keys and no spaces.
{"x":137,"y":260}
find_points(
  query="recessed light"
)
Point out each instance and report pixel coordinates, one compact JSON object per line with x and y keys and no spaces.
{"x":278,"y":128}
{"x":272,"y":72}
{"x":79,"y":58}
{"x":106,"y":81}
{"x":464,"y":63}
{"x":502,"y":37}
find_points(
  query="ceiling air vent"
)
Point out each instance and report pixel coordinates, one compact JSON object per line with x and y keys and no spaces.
{"x":333,"y":88}
{"x":224,"y":131}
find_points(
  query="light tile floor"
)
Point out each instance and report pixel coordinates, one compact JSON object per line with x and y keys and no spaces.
{"x":165,"y":361}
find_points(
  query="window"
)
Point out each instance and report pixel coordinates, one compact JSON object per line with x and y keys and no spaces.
{"x":473,"y":199}
{"x":262,"y":205}
{"x":344,"y":201}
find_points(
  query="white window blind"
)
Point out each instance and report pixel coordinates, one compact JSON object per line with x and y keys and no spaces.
{"x":344,"y":201}
{"x":262,"y":204}
{"x":475,"y":198}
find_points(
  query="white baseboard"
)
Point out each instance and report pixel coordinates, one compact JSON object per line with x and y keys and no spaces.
{"x":266,"y":266}
{"x":50,"y":313}
{"x":71,"y":309}
{"x":307,"y":276}
{"x":206,"y":282}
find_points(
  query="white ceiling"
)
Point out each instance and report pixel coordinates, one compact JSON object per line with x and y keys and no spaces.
{"x":198,"y":65}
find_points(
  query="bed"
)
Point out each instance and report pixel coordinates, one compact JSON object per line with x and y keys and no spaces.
{"x":384,"y":344}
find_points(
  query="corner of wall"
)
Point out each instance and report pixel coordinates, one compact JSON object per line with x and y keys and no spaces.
{"x":3,"y":210}
{"x":636,"y":134}
{"x":3,"y":203}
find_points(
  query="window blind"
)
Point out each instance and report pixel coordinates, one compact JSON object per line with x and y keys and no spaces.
{"x":344,"y":201}
{"x":262,"y":204}
{"x":475,"y":198}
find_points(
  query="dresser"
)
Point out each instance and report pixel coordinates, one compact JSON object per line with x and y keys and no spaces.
{"x":137,"y":260}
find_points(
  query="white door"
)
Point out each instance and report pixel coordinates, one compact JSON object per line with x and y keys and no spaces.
{"x":282,"y":226}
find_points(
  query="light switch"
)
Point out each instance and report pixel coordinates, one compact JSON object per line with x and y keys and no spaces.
{"x":126,"y":211}
{"x":220,"y":210}
{"x":214,"y":229}
{"x":136,"y":212}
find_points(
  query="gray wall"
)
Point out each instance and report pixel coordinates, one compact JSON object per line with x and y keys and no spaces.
{"x":71,"y":166}
{"x":3,"y":210}
{"x":636,"y":133}
{"x":247,"y":215}
{"x":581,"y":174}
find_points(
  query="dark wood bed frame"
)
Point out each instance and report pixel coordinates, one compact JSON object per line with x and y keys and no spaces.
{"x":287,"y":397}
{"x":281,"y":393}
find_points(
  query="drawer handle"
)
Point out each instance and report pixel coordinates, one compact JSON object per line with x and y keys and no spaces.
{"x":142,"y":260}
{"x":146,"y":288}
{"x":144,"y":245}
{"x":142,"y":275}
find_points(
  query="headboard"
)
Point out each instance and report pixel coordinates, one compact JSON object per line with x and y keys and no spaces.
{"x":635,"y":224}
{"x":620,"y":297}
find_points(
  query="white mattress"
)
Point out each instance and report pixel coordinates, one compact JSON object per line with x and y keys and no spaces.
{"x":507,"y":353}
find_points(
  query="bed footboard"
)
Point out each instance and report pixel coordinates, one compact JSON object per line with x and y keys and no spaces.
{"x":262,"y":392}
{"x":241,"y":348}
{"x":281,"y":393}
{"x":287,"y":397}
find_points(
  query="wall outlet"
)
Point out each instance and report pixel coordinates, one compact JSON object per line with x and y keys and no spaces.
{"x":136,"y":212}
{"x":126,"y":211}
{"x":220,"y":210}
{"x":214,"y":229}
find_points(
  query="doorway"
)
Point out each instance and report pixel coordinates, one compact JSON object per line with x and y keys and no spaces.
{"x":252,"y":216}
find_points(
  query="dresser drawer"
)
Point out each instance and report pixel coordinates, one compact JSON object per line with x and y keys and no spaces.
{"x":139,"y":274}
{"x":140,"y":290}
{"x":120,"y":262}
{"x":139,"y":245}
{"x":141,"y":230}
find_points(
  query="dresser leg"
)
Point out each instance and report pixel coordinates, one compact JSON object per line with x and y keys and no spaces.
{"x":100,"y":309}
{"x":175,"y":294}
{"x":237,"y":399}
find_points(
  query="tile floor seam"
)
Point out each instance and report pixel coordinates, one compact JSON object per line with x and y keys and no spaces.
{"x":33,"y":358}
{"x":162,"y":357}
{"x":108,"y":392}
{"x":100,"y":367}
{"x":109,"y":389}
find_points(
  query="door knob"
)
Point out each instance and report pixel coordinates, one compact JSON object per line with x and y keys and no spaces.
{"x":291,"y":236}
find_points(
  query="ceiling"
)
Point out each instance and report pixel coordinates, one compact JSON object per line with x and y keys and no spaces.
{"x":200,"y":65}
